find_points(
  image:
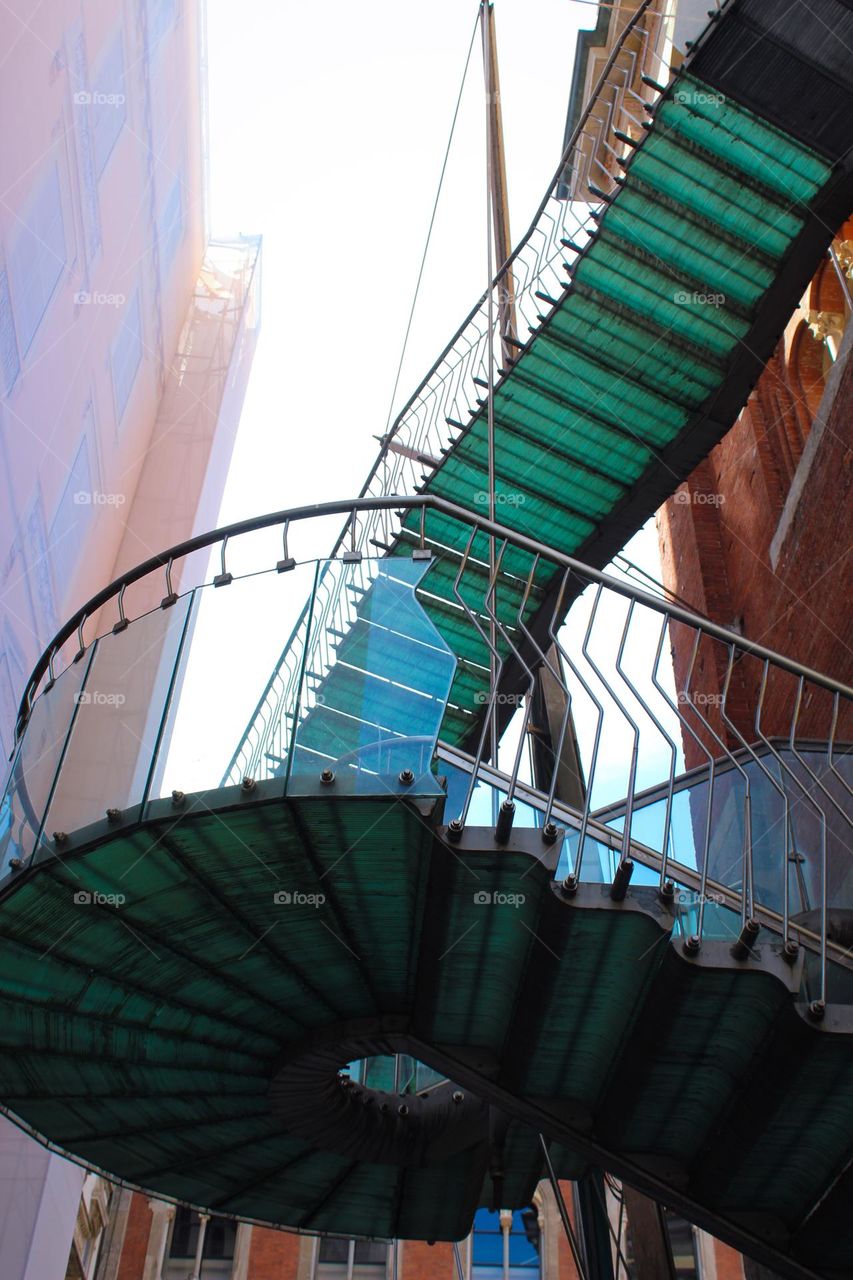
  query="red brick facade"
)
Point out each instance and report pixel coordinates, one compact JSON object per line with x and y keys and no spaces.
{"x":273,"y":1255}
{"x":135,"y":1243}
{"x":760,"y":535}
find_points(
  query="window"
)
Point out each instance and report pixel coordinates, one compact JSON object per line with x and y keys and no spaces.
{"x":126,"y":355}
{"x":37,"y":257}
{"x":351,"y":1259}
{"x":109,"y":102}
{"x":73,"y":510}
{"x":523,"y":1238}
{"x":683,"y":1244}
{"x":220,"y":1236}
{"x":170,"y":225}
{"x":13,"y":673}
{"x":161,"y":19}
{"x":10,"y":364}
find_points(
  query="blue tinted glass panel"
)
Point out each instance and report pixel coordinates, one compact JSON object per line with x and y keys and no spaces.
{"x":72,"y":514}
{"x":109,"y":102}
{"x":377,"y":679}
{"x":10,"y":364}
{"x":161,"y":19}
{"x":170,"y":225}
{"x":37,"y":257}
{"x":126,"y":354}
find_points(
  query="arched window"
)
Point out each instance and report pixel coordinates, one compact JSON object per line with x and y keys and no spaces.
{"x":506,"y":1246}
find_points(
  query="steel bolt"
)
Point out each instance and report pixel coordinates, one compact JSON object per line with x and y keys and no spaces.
{"x":60,"y":837}
{"x":692,"y":944}
{"x":328,"y":775}
{"x":569,"y":887}
{"x":178,"y":797}
{"x":458,"y":1096}
{"x":407,"y":777}
{"x":549,"y":832}
{"x":248,"y":784}
{"x":113,"y":815}
{"x":817,"y":1010}
{"x":454,"y":829}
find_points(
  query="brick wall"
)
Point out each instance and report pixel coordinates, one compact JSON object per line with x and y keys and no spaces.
{"x":718,"y":551}
{"x":135,"y":1243}
{"x":423,"y":1261}
{"x":728,"y":1262}
{"x":274,"y":1255}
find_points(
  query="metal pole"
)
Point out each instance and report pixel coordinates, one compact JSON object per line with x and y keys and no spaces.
{"x":460,"y":1270}
{"x":490,"y":372}
{"x":563,"y":1211}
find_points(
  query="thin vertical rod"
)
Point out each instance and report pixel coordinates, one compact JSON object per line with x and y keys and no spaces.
{"x":563,"y":1211}
{"x":490,"y":372}
{"x":460,"y":1270}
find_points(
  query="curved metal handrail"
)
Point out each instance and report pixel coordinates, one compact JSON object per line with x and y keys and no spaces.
{"x":354,"y":507}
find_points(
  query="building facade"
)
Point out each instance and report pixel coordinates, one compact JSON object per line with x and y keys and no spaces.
{"x":759,"y":536}
{"x":147,"y":1239}
{"x":126,"y":338}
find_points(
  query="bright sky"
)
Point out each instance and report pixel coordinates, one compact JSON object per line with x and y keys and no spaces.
{"x":328,"y":126}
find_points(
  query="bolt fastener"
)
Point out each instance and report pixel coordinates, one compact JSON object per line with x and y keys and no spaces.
{"x":407,"y":777}
{"x":327,"y":776}
{"x":248,"y":784}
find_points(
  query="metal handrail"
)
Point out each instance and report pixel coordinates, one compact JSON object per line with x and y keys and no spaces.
{"x":353,"y":507}
{"x":604,"y":835}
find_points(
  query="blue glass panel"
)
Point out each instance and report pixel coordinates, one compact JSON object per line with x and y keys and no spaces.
{"x":377,"y":678}
{"x":35,"y":770}
{"x":10,"y":363}
{"x":37,"y":256}
{"x":108,"y":102}
{"x":126,"y":354}
{"x":170,"y":225}
{"x":73,"y":513}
